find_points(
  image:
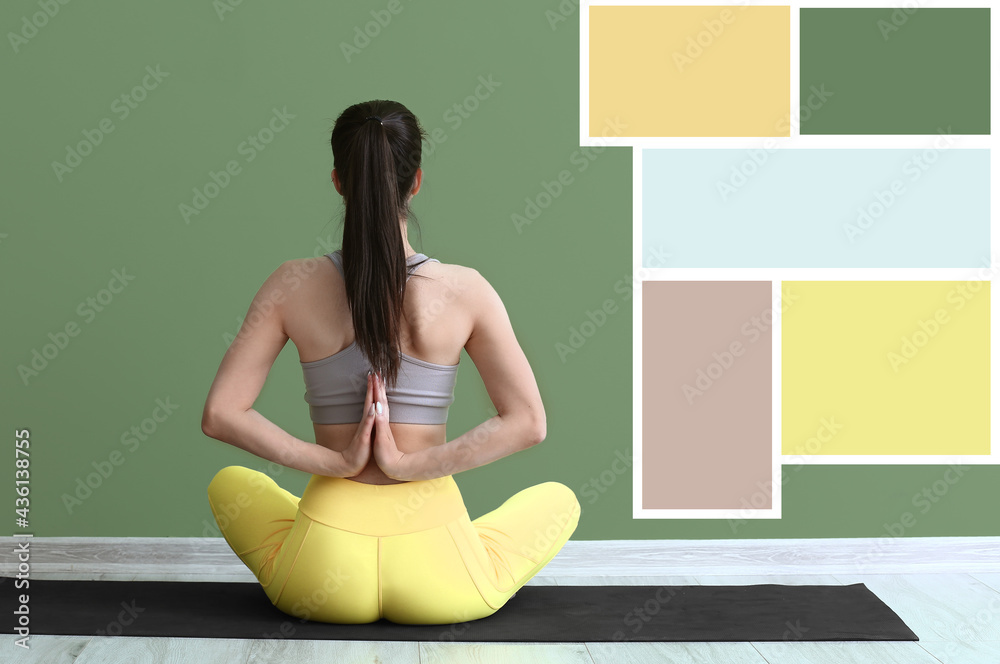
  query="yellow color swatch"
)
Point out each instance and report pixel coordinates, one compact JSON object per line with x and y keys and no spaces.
{"x":885,"y":367}
{"x":689,"y":71}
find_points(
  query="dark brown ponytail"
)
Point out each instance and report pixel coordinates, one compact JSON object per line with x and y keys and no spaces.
{"x":376,"y":160}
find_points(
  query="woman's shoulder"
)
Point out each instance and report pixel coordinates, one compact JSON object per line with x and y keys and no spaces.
{"x":454,"y":267}
{"x":299,"y":268}
{"x":454,"y":272}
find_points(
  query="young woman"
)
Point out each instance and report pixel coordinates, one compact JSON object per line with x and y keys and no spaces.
{"x":381,"y":530}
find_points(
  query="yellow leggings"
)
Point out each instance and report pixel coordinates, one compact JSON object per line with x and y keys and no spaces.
{"x":349,"y":552}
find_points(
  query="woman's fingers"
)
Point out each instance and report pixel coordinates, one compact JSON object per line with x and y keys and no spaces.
{"x":369,"y":394}
{"x":368,"y":414}
{"x":381,"y":415}
{"x":382,"y":398}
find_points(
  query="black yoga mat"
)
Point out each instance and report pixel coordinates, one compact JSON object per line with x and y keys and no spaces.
{"x":764,"y":612}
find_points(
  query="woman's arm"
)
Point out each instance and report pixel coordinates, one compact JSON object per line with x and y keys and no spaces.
{"x":229,"y":415}
{"x":251,"y":431}
{"x":494,"y":439}
{"x":520,"y":419}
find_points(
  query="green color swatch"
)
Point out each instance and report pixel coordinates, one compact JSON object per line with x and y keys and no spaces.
{"x":894,"y":71}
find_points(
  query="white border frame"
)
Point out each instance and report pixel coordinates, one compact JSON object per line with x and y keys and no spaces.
{"x":777,"y":275}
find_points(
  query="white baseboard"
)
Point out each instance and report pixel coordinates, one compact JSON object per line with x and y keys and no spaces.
{"x":210,"y":558}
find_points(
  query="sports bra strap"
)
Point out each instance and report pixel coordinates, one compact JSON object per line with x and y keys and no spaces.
{"x":338,"y":259}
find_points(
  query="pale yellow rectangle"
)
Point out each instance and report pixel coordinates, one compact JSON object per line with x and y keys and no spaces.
{"x":689,"y":71}
{"x":885,"y":367}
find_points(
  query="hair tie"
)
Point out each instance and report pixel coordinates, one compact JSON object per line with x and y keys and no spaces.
{"x":374,"y":117}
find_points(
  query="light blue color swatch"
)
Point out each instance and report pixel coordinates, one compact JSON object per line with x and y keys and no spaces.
{"x":924,"y":207}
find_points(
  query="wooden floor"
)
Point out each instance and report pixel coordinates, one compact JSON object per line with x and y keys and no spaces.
{"x":956,"y":615}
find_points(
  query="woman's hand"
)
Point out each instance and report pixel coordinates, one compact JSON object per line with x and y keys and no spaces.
{"x":387,"y":455}
{"x":359,"y":452}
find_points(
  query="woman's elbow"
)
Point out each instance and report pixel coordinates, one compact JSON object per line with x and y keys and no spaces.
{"x":537,"y":431}
{"x":209,"y":422}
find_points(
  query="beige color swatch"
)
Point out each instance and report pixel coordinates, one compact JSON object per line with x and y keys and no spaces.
{"x":706,"y":394}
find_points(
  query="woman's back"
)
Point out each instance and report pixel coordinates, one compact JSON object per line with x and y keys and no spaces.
{"x":410,"y":554}
{"x":438,"y":320}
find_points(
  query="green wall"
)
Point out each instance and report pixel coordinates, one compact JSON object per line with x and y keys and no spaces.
{"x":189,"y":280}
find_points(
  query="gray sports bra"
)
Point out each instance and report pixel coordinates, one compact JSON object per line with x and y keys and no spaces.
{"x":335,"y":385}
